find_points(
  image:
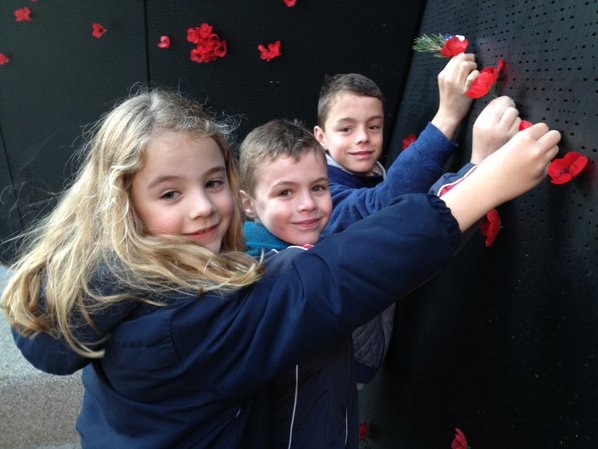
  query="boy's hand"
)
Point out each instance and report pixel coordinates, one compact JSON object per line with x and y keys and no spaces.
{"x":496,"y":124}
{"x":512,"y":170}
{"x":453,"y":83}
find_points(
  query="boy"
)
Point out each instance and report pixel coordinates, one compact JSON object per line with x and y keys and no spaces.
{"x":284,"y":183}
{"x":285,"y":191}
{"x":350,"y":128}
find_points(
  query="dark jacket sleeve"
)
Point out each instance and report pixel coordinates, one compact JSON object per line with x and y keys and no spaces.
{"x":54,"y":355}
{"x":310,"y":299}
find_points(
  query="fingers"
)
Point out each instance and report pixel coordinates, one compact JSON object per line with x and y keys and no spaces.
{"x":459,"y":71}
{"x":499,"y":109}
{"x":510,"y":120}
{"x":471,"y":78}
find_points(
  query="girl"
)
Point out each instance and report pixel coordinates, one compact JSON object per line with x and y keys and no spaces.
{"x":138,"y":277}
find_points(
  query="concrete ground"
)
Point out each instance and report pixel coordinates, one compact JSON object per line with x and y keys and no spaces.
{"x":37,"y":410}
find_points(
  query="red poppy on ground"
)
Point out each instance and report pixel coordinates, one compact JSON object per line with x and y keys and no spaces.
{"x":409,"y":140}
{"x":23,"y":14}
{"x":290,"y":3}
{"x":566,"y":168}
{"x":164,"y":42}
{"x":270,"y":52}
{"x":524,"y":125}
{"x":363,"y":431}
{"x":4,"y":59}
{"x":459,"y":442}
{"x":485,"y":80}
{"x":490,"y":227}
{"x":209,"y":46}
{"x":454,"y":46}
{"x":98,"y":30}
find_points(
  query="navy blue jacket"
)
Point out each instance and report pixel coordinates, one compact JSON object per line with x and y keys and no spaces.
{"x":355,"y":196}
{"x":184,"y":375}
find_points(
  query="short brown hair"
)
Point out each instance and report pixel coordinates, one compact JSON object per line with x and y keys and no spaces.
{"x":278,"y":137}
{"x":334,"y":85}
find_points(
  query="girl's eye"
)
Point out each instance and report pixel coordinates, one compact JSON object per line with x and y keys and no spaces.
{"x":214,"y":184}
{"x":170,"y":195}
{"x":285,"y":193}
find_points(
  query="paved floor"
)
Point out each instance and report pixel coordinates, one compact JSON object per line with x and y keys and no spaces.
{"x":37,"y":410}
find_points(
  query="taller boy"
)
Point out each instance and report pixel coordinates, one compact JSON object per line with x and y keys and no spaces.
{"x":350,"y":128}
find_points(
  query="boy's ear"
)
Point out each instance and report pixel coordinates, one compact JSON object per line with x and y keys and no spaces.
{"x":320,"y":136}
{"x":247,"y":205}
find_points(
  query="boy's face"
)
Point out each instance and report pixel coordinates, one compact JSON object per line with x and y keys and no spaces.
{"x":353,"y":132}
{"x":291,"y":198}
{"x":182,"y":189}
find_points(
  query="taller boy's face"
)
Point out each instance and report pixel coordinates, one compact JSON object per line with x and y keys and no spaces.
{"x":291,"y":198}
{"x":353,"y":132}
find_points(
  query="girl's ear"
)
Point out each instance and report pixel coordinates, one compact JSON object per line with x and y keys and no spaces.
{"x":320,"y":136}
{"x":247,"y":205}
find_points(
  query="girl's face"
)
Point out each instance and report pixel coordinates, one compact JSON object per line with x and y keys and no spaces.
{"x":182,"y":189}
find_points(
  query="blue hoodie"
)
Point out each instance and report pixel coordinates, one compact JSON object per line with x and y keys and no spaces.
{"x":185,"y":375}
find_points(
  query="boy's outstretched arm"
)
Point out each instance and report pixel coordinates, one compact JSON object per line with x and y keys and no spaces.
{"x":512,"y":170}
{"x":453,"y":83}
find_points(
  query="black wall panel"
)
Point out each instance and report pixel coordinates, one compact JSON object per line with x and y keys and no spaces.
{"x":317,"y":38}
{"x":61,"y":78}
{"x":503,"y":343}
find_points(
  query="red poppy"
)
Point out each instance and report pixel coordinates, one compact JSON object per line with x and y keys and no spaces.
{"x":164,"y":42}
{"x":490,"y":227}
{"x":363,"y":431}
{"x":409,"y":140}
{"x":290,"y":3}
{"x":566,"y":168}
{"x":454,"y":45}
{"x":459,"y":442}
{"x":98,"y":30}
{"x":23,"y":14}
{"x":524,"y":125}
{"x":271,"y":52}
{"x":485,"y":80}
{"x":4,"y":59}
{"x":209,"y":46}
{"x":195,"y":35}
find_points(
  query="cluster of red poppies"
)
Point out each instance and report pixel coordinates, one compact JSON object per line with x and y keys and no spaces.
{"x":560,"y":170}
{"x":208,"y":45}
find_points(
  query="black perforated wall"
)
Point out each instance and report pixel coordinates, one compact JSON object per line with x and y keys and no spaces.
{"x":504,"y":342}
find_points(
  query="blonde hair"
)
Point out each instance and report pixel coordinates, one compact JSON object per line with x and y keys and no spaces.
{"x":266,"y":143}
{"x":94,"y":228}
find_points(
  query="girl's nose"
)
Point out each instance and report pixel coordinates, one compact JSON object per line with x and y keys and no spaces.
{"x":201,"y":205}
